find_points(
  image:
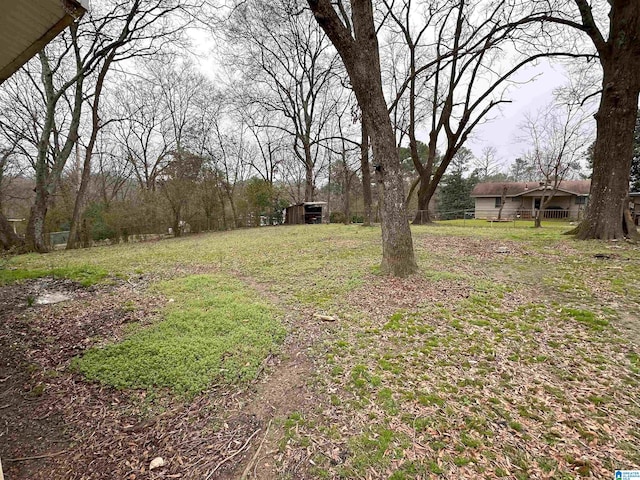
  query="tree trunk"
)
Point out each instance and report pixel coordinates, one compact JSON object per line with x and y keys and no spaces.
{"x":308,"y":179}
{"x":423,"y":216}
{"x":8,"y":238}
{"x":503,"y":198}
{"x":366,"y":176}
{"x":236,"y":220}
{"x":78,"y":208}
{"x":48,"y":176}
{"x":346,"y":200}
{"x":176,"y":225}
{"x":35,"y":227}
{"x":397,"y":245}
{"x":613,"y":152}
{"x":359,"y":51}
{"x":629,"y":227}
{"x":615,"y":120}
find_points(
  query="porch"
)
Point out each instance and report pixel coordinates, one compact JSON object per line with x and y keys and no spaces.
{"x":559,"y":208}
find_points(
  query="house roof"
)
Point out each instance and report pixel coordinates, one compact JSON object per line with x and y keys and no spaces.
{"x":27,"y":26}
{"x":515,"y":189}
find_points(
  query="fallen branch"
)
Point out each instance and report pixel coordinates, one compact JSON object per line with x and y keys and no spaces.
{"x":35,"y":457}
{"x":255,"y":455}
{"x":225,"y":460}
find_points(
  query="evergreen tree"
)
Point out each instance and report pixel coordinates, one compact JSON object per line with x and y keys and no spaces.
{"x":454,"y":196}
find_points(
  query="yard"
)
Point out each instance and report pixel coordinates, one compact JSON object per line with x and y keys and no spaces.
{"x":281,"y":352}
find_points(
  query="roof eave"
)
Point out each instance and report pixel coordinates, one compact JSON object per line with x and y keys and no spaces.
{"x":81,"y":7}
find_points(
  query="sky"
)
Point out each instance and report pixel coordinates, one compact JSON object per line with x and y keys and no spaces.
{"x":504,"y":130}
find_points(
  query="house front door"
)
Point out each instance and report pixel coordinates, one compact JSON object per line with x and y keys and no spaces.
{"x":536,"y":205}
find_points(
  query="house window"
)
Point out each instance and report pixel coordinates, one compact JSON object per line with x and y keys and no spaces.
{"x":498,"y":202}
{"x":581,"y":200}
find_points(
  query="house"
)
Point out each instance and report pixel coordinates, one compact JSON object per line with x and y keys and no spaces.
{"x":306,"y":212}
{"x":522,"y":199}
{"x":634,"y":205}
{"x":27,"y":26}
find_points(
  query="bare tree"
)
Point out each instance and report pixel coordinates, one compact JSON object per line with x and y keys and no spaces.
{"x":354,"y":36}
{"x":365,"y":169}
{"x":466,"y":82}
{"x":144,"y":131}
{"x":487,"y":164}
{"x":141,"y":27}
{"x":292,"y":69}
{"x":556,"y":136}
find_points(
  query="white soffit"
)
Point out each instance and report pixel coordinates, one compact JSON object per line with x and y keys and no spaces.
{"x":26,"y":26}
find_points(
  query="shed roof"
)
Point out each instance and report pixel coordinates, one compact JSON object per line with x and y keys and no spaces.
{"x":307,"y":204}
{"x":514,"y":189}
{"x":26,"y":26}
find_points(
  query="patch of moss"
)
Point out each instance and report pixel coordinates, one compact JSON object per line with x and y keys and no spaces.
{"x":215,"y":330}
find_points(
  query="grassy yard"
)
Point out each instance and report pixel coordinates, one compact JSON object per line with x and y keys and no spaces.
{"x":513,"y":353}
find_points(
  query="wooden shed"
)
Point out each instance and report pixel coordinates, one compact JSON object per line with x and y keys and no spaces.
{"x":26,"y":26}
{"x":306,"y":212}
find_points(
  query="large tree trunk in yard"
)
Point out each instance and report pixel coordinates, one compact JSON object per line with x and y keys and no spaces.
{"x":8,"y":238}
{"x":537,"y":223}
{"x":358,"y":48}
{"x":35,"y":227}
{"x":78,"y":208}
{"x":628,"y":225}
{"x":613,"y":152}
{"x":423,"y":216}
{"x":615,"y":120}
{"x":366,"y":177}
{"x":397,"y":246}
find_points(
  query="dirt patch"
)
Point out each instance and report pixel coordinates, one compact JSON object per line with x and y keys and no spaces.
{"x":463,"y":247}
{"x":283,"y":390}
{"x":384,"y":296}
{"x":55,"y":425}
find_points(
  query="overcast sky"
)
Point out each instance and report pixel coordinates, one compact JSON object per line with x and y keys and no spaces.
{"x":504,"y":130}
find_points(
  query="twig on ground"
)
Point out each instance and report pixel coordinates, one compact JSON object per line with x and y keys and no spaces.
{"x":255,"y":455}
{"x":35,"y":457}
{"x":225,"y":460}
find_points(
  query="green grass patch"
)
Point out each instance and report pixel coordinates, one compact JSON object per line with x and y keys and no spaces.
{"x":587,"y":317}
{"x":215,"y":330}
{"x":85,"y":275}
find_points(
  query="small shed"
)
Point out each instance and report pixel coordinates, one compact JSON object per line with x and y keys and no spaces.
{"x":306,"y":212}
